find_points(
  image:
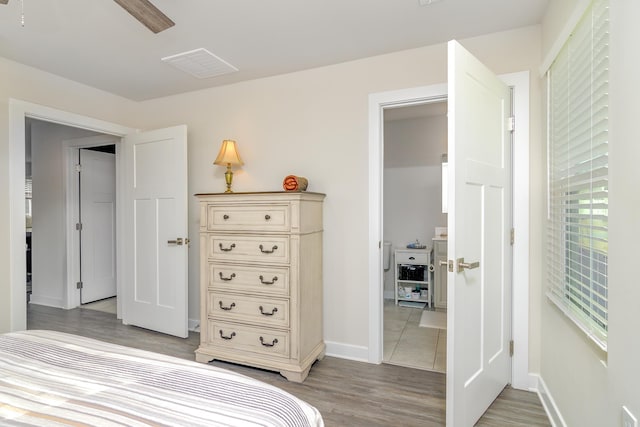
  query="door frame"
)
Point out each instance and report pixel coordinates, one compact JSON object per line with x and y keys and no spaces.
{"x":520,"y":378}
{"x":72,"y":202}
{"x":18,"y":111}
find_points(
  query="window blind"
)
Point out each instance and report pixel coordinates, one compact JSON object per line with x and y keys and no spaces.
{"x":578,"y":112}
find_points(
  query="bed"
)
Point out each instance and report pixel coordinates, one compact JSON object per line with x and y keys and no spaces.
{"x":52,"y":378}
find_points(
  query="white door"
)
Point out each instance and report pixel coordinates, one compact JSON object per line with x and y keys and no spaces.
{"x":98,"y":218}
{"x":155,"y":273}
{"x":479,"y":297}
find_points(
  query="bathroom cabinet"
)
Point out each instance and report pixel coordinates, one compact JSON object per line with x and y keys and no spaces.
{"x":440,"y":272}
{"x":412,"y":275}
{"x":261,"y":280}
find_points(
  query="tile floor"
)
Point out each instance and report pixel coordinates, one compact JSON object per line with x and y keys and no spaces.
{"x":108,"y":305}
{"x":407,"y":344}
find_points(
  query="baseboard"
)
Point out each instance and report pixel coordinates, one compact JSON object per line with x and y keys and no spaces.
{"x":529,"y":382}
{"x":46,"y":301}
{"x":550,"y":407}
{"x":347,"y":351}
{"x":533,"y":380}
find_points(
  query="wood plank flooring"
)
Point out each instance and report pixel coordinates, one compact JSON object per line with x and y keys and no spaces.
{"x":347,"y":393}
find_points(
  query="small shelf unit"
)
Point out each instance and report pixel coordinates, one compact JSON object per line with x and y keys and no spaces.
{"x":413,"y":276}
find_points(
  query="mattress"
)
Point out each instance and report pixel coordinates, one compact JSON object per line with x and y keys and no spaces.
{"x":56,"y":379}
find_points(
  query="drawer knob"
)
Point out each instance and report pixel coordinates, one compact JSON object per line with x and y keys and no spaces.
{"x":274,"y":280}
{"x":266,"y":313}
{"x":267,"y":217}
{"x":233,"y":304}
{"x":225,"y":217}
{"x":226,"y":279}
{"x":233,"y":245}
{"x":233,"y":334}
{"x":267,"y":251}
{"x":266,"y":344}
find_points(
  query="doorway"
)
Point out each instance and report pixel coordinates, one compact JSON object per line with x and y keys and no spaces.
{"x":378,"y":102}
{"x":20,"y":111}
{"x":151,"y":148}
{"x":52,"y":166}
{"x":414,"y":317}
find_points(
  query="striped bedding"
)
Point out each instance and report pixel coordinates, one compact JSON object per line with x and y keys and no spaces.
{"x":55,"y":379}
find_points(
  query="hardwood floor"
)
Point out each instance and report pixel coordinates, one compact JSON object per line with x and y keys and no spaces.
{"x":347,"y":393}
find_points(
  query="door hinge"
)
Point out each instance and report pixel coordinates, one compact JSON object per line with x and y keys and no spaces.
{"x":513,"y":236}
{"x":511,"y":124}
{"x":78,"y":167}
{"x":79,"y":226}
{"x":79,"y":285}
{"x":511,"y":348}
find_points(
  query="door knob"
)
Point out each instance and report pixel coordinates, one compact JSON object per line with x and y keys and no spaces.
{"x":470,"y":265}
{"x":178,"y":241}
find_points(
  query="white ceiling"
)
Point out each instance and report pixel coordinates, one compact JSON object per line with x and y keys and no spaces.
{"x":99,"y":44}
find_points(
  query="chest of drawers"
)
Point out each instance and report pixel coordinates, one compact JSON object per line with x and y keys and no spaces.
{"x":261,"y":280}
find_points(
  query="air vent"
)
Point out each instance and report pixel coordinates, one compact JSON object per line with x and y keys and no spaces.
{"x":200,"y":63}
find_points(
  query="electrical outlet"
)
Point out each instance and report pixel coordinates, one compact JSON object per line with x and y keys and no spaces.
{"x":628,"y":420}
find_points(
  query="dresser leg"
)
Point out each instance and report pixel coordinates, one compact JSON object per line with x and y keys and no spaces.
{"x":296,"y":377}
{"x":203,"y":358}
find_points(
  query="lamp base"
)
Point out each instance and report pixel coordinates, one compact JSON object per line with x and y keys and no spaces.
{"x":228,"y":177}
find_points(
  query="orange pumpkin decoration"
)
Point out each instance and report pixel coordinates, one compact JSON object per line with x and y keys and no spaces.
{"x":294,"y":183}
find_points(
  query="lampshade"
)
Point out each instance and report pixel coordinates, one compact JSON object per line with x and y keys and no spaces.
{"x":228,"y":154}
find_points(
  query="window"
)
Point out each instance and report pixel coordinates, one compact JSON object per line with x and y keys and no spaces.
{"x":578,"y":138}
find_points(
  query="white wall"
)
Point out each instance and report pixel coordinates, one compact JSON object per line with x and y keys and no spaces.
{"x":415,"y":142}
{"x":412,"y":204}
{"x":315,"y":124}
{"x":588,"y":386}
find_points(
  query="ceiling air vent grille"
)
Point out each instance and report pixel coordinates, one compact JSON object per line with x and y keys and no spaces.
{"x":200,"y":63}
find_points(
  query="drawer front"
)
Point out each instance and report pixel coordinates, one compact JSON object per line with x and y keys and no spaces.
{"x":265,"y":311}
{"x":412,"y":258}
{"x":248,"y":217}
{"x":247,"y":338}
{"x":265,"y":249}
{"x":244,"y":278}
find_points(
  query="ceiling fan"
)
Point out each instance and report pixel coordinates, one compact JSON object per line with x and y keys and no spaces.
{"x":145,"y":12}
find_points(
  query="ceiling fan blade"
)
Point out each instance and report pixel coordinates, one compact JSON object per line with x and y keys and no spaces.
{"x":149,"y":15}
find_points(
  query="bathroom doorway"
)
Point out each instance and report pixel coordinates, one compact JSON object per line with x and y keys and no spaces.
{"x":414,"y":230}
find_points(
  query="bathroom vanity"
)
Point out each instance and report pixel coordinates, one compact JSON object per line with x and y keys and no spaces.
{"x":412,"y":276}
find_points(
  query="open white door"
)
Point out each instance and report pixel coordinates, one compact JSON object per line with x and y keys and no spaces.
{"x":479,"y":295}
{"x":98,"y":219}
{"x":155,"y":272}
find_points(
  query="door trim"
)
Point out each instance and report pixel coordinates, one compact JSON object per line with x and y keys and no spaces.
{"x":18,"y":111}
{"x":521,"y":378}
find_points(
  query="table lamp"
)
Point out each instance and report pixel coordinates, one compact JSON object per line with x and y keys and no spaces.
{"x":228,"y":156}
